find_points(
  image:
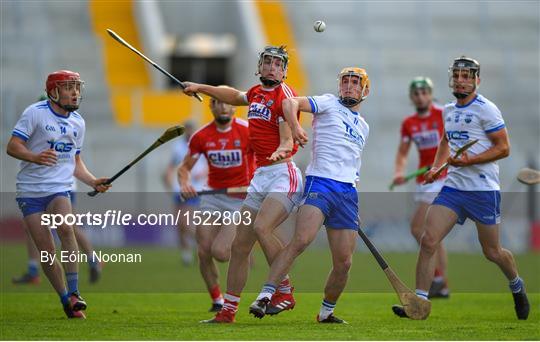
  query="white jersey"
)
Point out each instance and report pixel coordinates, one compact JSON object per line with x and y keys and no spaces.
{"x":43,"y":129}
{"x":474,"y":120}
{"x":339,"y":137}
{"x":200,"y":169}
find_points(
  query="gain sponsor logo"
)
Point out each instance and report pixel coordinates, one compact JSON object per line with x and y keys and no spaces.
{"x":225,"y":158}
{"x":353,"y":135}
{"x":259,"y":111}
{"x":457,"y":135}
{"x":60,"y":146}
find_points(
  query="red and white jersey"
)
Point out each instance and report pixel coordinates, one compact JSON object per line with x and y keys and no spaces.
{"x":230,"y":160}
{"x":426,"y":132}
{"x":265,"y":114}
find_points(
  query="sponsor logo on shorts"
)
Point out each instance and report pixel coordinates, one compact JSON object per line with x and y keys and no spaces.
{"x":225,"y":158}
{"x":313,"y":195}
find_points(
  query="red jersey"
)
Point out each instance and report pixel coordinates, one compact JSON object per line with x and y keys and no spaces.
{"x":230,"y":160}
{"x":426,"y":132}
{"x":264,"y":115}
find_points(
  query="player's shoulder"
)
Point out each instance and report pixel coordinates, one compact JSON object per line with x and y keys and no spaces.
{"x":76,"y":116}
{"x":36,"y":108}
{"x":287,"y":90}
{"x":485,"y":105}
{"x":205,"y":130}
{"x":240,"y":122}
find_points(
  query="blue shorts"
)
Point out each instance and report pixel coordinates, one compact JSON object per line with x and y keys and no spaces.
{"x":480,"y":206}
{"x":72,"y":197}
{"x":338,"y":201}
{"x":194,"y":202}
{"x":32,"y":205}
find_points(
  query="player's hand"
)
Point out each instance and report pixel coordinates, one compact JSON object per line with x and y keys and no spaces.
{"x":299,"y":136}
{"x":462,"y":160}
{"x":188,"y":191}
{"x":429,"y":176}
{"x":99,"y":184}
{"x":191,"y":88}
{"x":280,"y":154}
{"x":399,"y":179}
{"x":47,"y":158}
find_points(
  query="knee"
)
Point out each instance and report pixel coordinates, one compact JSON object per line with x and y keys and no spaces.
{"x":204,"y":251}
{"x":492,"y":254}
{"x":428,"y":243}
{"x":221,"y":253}
{"x":64,"y":231}
{"x":298,"y":245}
{"x":343,"y":265}
{"x":261,"y":229}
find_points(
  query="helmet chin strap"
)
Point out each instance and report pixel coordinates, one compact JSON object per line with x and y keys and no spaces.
{"x":269,"y":82}
{"x":349,"y":101}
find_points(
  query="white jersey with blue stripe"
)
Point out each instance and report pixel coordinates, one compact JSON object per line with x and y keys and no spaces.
{"x":42,"y":129}
{"x":339,"y":137}
{"x":474,"y":120}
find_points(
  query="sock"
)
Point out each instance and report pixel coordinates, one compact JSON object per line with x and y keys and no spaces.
{"x":73,"y":282}
{"x":92,"y":262}
{"x":267,"y":291}
{"x":285,"y":285}
{"x":327,"y":308}
{"x":516,"y":284}
{"x":187,"y":256}
{"x":422,"y":294}
{"x":33,"y":269}
{"x":215,"y":294}
{"x":231,"y":302}
{"x":64,"y":298}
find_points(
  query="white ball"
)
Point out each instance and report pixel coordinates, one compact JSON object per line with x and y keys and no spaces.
{"x":319,"y":26}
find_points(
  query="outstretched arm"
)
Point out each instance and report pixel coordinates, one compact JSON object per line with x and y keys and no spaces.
{"x":291,"y":106}
{"x":224,"y":94}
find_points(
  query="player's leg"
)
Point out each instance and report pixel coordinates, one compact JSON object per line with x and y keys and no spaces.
{"x":205,"y":236}
{"x":438,"y":223}
{"x":238,"y":270}
{"x":86,"y":247}
{"x":425,"y":194}
{"x":186,"y":233}
{"x":342,"y":244}
{"x":308,"y":221}
{"x":488,"y":235}
{"x":31,"y":276}
{"x":62,"y":205}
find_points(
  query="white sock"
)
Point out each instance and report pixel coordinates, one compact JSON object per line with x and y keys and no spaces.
{"x":327,"y":308}
{"x":422,"y":294}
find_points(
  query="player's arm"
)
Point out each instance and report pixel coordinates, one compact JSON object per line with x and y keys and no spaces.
{"x":401,"y":161}
{"x":184,"y":176}
{"x":16,"y":148}
{"x":443,"y":152}
{"x":228,"y":95}
{"x":285,"y":143}
{"x":291,"y":106}
{"x":500,"y":149}
{"x":81,"y":173}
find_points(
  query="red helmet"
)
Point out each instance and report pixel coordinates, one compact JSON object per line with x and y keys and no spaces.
{"x":60,"y":75}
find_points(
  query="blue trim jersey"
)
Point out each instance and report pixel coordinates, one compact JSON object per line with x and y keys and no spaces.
{"x":42,"y":129}
{"x":475,"y":120}
{"x":339,"y":137}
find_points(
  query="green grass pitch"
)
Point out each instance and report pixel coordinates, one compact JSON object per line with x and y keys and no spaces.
{"x":159,"y":299}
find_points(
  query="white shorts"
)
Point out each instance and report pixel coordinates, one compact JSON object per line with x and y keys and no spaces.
{"x":281,"y":181}
{"x":427,"y":193}
{"x":221,"y":203}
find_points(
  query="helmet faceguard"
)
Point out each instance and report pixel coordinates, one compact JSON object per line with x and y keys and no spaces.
{"x":273,"y":60}
{"x":467,"y":71}
{"x":361,"y":86}
{"x":68,"y":81}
